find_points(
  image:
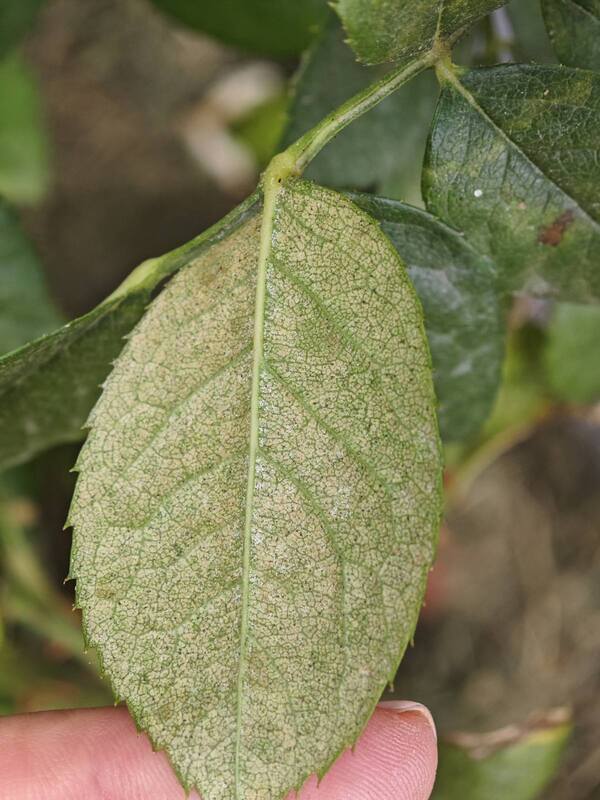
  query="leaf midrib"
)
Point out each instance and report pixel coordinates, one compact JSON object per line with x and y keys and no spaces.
{"x":457,"y":84}
{"x":266,"y":233}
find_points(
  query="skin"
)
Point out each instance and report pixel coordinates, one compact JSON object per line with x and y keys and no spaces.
{"x":97,"y":754}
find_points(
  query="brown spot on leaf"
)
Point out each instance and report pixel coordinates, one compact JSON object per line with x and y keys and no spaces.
{"x":552,"y":234}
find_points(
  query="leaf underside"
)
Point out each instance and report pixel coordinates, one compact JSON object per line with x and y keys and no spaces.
{"x":49,"y":386}
{"x":464,"y":317}
{"x":250,"y":603}
{"x":514,"y":163}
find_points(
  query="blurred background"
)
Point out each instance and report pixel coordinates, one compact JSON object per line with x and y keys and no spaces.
{"x":124,"y":132}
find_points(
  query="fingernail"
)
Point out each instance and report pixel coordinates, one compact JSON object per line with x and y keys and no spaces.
{"x":409,"y":706}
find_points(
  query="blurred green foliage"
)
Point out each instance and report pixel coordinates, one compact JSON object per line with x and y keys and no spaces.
{"x":516,"y":765}
{"x":24,"y":168}
{"x":276,"y":28}
{"x":26,"y":310}
{"x":16,"y":18}
{"x":572,"y":356}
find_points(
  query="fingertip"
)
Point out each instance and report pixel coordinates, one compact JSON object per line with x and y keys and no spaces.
{"x":395,"y":759}
{"x":91,"y":753}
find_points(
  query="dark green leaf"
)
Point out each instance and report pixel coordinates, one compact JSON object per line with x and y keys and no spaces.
{"x":16,"y":18}
{"x":514,"y":163}
{"x":390,"y":30}
{"x":386,"y":146}
{"x":271,"y":27}
{"x":258,"y":499}
{"x":513,"y":763}
{"x":26,"y":311}
{"x":531,"y":39}
{"x":463,"y":316}
{"x":574,"y":27}
{"x":23,"y":146}
{"x":572,"y":355}
{"x":48,"y":387}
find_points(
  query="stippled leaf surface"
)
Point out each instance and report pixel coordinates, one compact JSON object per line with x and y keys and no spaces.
{"x":385,"y":146}
{"x":270,"y":27}
{"x":574,"y":28}
{"x":572,"y":356}
{"x":24,"y":168}
{"x":48,"y":387}
{"x":516,"y":762}
{"x":258,"y":498}
{"x":16,"y":18}
{"x":390,"y":30}
{"x":514,"y":163}
{"x":463,"y":313}
{"x":26,"y":310}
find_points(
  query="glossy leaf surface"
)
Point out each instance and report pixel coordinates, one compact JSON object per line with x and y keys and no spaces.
{"x":258,"y":498}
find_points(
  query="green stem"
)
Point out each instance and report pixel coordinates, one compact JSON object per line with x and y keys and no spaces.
{"x":304,"y":150}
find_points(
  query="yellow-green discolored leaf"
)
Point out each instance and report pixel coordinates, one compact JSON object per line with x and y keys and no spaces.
{"x":49,"y":386}
{"x":390,"y":30}
{"x":259,"y":498}
{"x":514,"y":163}
{"x":574,"y":28}
{"x":464,"y":315}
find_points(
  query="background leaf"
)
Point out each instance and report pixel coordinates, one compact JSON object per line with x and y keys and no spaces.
{"x":48,"y":387}
{"x":384,"y":148}
{"x":463,"y":315}
{"x":513,"y":762}
{"x":572,"y":356}
{"x":254,"y":527}
{"x":16,"y":18}
{"x":574,"y":28}
{"x":390,"y":30}
{"x":24,"y":171}
{"x":531,"y":38}
{"x":26,"y":310}
{"x":514,"y":163}
{"x":270,"y":27}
